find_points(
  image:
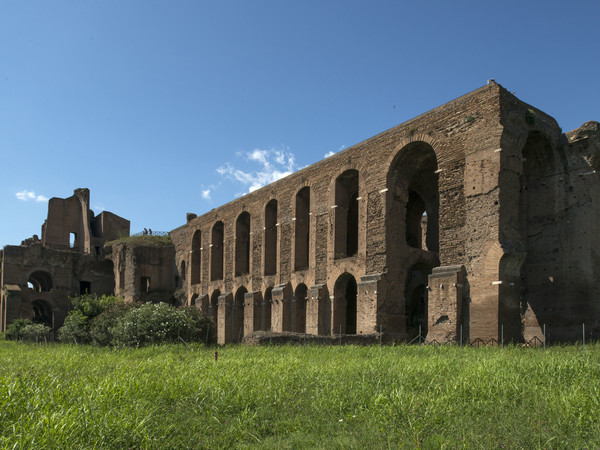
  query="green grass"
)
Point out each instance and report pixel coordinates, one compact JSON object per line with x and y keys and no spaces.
{"x":61,"y":396}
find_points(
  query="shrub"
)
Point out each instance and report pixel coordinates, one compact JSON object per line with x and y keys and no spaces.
{"x":85,"y":309}
{"x":14,"y":330}
{"x":101,"y":329}
{"x":75,"y":329}
{"x":201,"y":322}
{"x":153,"y":323}
{"x":35,"y":332}
{"x":90,"y":305}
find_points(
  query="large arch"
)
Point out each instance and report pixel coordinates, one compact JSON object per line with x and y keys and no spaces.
{"x":271,"y":238}
{"x":302,"y":229}
{"x":345,"y":307}
{"x":242,"y":244}
{"x":40,"y":281}
{"x":413,"y":182}
{"x":195,"y":269}
{"x":216,"y":253}
{"x":300,"y":297}
{"x":346,"y":214}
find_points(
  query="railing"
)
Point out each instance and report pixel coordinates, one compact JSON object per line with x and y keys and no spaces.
{"x":151,"y":233}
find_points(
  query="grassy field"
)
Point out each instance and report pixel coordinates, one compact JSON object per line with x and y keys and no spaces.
{"x":63,"y":396}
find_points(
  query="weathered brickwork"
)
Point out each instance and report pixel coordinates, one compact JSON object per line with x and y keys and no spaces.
{"x":476,"y":218}
{"x":501,"y":187}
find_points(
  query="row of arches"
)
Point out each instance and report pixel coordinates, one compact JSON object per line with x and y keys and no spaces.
{"x":242,"y":250}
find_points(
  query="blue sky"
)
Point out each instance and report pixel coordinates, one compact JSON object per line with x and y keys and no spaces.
{"x":163,"y":108}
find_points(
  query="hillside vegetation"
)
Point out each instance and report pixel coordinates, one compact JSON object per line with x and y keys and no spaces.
{"x":67,"y":396}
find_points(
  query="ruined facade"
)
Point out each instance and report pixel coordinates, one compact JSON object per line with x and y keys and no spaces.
{"x":39,"y":276}
{"x":478,"y":217}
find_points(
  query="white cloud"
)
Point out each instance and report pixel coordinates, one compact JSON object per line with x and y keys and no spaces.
{"x":331,"y":153}
{"x":30,"y":195}
{"x":273,"y":165}
{"x":205,"y":194}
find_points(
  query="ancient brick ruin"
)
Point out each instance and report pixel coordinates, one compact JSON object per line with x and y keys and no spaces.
{"x":476,"y":217}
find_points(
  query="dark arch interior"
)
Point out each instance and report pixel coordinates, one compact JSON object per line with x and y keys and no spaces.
{"x":346,"y":214}
{"x":242,"y":244}
{"x":266,"y":313}
{"x":414,"y":184}
{"x":302,"y":232}
{"x":42,"y":313}
{"x":300,"y":308}
{"x":216,"y":267}
{"x":271,"y":238}
{"x":415,"y":295}
{"x":238,"y":314}
{"x":196,"y":259}
{"x":345,"y":295}
{"x":40,"y":281}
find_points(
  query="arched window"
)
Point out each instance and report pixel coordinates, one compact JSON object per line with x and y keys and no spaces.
{"x":216,"y":263}
{"x":346,"y":214}
{"x":413,"y":182}
{"x":40,"y":281}
{"x":195,"y":275}
{"x":345,"y":306}
{"x":242,"y":244}
{"x":300,"y":308}
{"x":271,"y":238}
{"x":302,"y":234}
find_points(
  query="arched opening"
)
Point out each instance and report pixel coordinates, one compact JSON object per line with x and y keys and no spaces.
{"x":196,"y":259}
{"x":266,"y":312}
{"x":539,"y":207}
{"x":415,"y":297}
{"x":302,"y":232}
{"x":42,"y":313}
{"x":216,"y":252}
{"x":193,"y":300}
{"x":238,"y":314}
{"x":213,"y":310}
{"x":300,"y":308}
{"x":242,"y":244}
{"x":40,"y":281}
{"x":413,"y":182}
{"x":345,"y":306}
{"x":271,"y":238}
{"x":346,"y":214}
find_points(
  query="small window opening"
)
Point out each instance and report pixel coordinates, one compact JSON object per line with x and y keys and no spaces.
{"x":72,"y":239}
{"x":85,"y":287}
{"x":145,"y":285}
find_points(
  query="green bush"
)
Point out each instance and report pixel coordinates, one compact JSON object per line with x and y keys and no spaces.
{"x":201,"y":322}
{"x":75,"y":329}
{"x":14,"y":330}
{"x":35,"y":332}
{"x":101,"y":329}
{"x":85,"y":309}
{"x":153,"y":323}
{"x":90,"y":305}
